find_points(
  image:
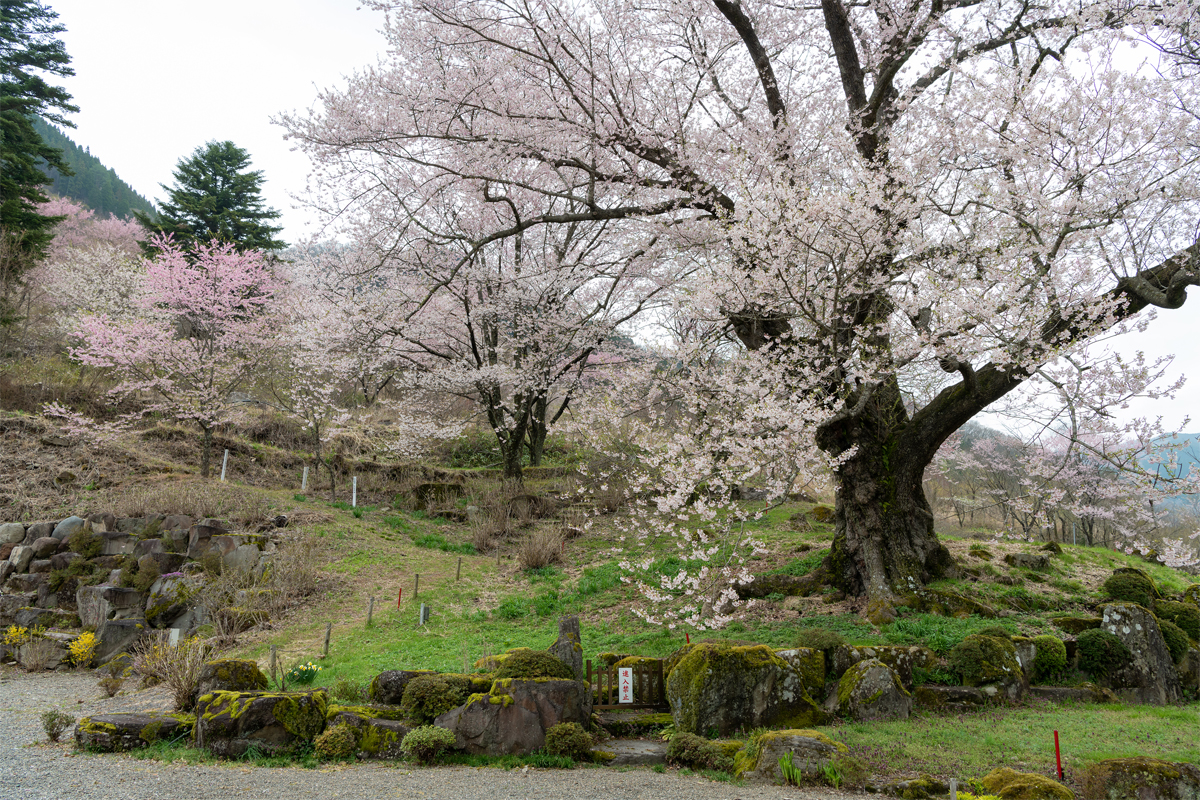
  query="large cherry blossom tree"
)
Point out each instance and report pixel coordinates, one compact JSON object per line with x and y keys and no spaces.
{"x":969,"y":187}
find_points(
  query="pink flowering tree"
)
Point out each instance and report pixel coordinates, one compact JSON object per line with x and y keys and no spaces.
{"x":206,"y":316}
{"x":973,"y":189}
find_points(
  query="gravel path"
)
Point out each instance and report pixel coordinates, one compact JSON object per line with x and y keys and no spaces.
{"x":33,"y":769}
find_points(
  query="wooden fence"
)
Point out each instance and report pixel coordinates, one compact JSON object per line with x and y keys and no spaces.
{"x":649,"y":690}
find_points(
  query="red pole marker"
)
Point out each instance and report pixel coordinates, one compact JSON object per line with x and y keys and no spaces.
{"x":1058,"y":756}
{"x":688,"y":637}
{"x":399,"y":594}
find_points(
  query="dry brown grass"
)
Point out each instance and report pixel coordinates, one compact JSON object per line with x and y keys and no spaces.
{"x":540,"y":549}
{"x":195,"y":498}
{"x":177,"y":667}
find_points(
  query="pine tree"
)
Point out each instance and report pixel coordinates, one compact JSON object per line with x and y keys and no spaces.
{"x":216,"y":197}
{"x":28,"y":46}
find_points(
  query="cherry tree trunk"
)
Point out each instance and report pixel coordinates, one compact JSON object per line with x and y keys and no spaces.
{"x":206,"y":450}
{"x":884,"y":544}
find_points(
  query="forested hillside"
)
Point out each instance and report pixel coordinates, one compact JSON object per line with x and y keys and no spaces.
{"x":93,"y":184}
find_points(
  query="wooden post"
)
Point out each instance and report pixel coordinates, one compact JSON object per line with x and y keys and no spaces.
{"x":370,"y":611}
{"x":304,"y":480}
{"x":416,"y":584}
{"x":458,"y":572}
{"x":328,"y":628}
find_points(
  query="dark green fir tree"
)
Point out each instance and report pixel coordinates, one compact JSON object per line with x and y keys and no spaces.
{"x":215,"y":196}
{"x":29,"y":49}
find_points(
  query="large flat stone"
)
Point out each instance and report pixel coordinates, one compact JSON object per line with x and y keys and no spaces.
{"x":116,"y":733}
{"x":633,"y":752}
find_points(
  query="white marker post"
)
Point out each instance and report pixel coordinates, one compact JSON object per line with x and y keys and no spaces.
{"x":354,"y":492}
{"x":304,"y":480}
{"x":625,"y":679}
{"x":224,"y":464}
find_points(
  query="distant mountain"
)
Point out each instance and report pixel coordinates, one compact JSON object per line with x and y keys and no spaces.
{"x":93,"y":184}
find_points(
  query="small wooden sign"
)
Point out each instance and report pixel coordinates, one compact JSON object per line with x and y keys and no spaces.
{"x":425,"y":612}
{"x":625,"y":680}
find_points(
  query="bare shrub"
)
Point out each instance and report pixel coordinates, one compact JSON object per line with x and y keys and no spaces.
{"x":240,"y":505}
{"x":540,"y":549}
{"x":488,"y":526}
{"x":176,"y":667}
{"x":37,"y":653}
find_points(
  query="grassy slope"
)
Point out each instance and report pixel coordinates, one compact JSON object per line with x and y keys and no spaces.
{"x":495,"y":606}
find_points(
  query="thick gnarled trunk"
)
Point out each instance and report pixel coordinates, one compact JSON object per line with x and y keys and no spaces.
{"x":884,"y":543}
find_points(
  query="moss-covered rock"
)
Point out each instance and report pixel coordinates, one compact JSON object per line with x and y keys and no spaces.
{"x":230,"y":675}
{"x":610,"y":658}
{"x":1050,"y":658}
{"x":1131,"y":585}
{"x":379,"y":728}
{"x":980,"y":660}
{"x":513,"y":717}
{"x":429,"y":696}
{"x":902,"y":659}
{"x":1185,"y":615}
{"x":387,"y":688}
{"x":1012,"y":785}
{"x":872,"y":690}
{"x":534,"y":664}
{"x":1076,"y":625}
{"x":811,"y":664}
{"x":811,"y":753}
{"x":115,"y":733}
{"x":1192,"y":594}
{"x":724,"y":688}
{"x":1150,"y":778}
{"x":1150,"y":675}
{"x":230,"y":723}
{"x":922,"y":787}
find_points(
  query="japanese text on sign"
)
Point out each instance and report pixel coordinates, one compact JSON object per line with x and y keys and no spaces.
{"x":625,"y":678}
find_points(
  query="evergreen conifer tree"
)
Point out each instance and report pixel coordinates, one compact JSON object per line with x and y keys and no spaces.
{"x":215,"y":196}
{"x":28,"y":47}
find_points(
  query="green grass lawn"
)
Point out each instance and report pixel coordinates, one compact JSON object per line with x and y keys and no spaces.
{"x":968,"y":746}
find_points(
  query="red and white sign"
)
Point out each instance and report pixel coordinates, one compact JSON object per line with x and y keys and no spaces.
{"x":625,"y":679}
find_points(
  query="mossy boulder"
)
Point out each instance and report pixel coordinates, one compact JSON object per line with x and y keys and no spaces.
{"x":811,"y":664}
{"x":982,"y":660}
{"x":1150,"y":675}
{"x":337,"y":741}
{"x":811,"y":753}
{"x":117,"y":733}
{"x":1185,"y":615}
{"x":1050,"y":657}
{"x":1142,"y":778}
{"x":387,"y":688}
{"x":1131,"y":585}
{"x":379,"y":729}
{"x":230,"y":675}
{"x":513,"y":717}
{"x":1012,"y":785}
{"x":872,"y":690}
{"x":1192,"y":594}
{"x":726,"y":688}
{"x":230,"y":723}
{"x":900,"y":658}
{"x":1076,"y":625}
{"x":919,"y":788}
{"x":534,"y":664}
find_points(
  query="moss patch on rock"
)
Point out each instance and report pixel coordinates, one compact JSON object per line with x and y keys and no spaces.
{"x":1012,"y":785}
{"x":980,"y":660}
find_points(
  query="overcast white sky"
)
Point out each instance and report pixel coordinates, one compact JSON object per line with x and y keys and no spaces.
{"x":155,"y":79}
